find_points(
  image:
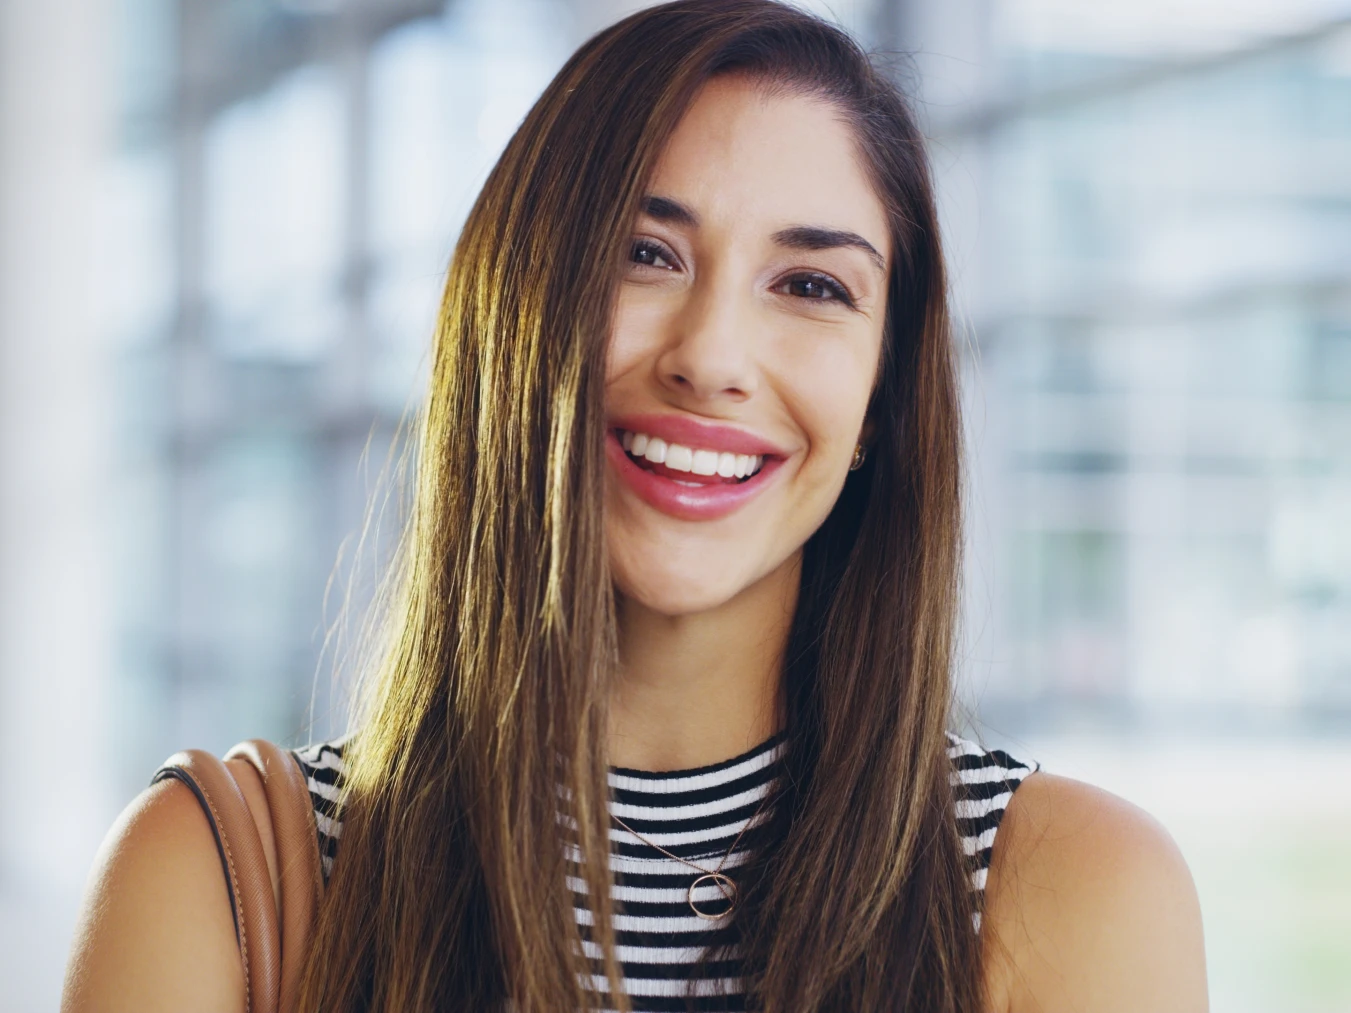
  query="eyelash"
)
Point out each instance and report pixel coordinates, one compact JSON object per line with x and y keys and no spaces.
{"x":837,"y":291}
{"x":657,"y":249}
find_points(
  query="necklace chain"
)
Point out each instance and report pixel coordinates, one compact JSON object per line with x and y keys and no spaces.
{"x":725,"y":883}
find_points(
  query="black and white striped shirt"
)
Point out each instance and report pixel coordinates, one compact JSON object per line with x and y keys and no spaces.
{"x":697,"y":814}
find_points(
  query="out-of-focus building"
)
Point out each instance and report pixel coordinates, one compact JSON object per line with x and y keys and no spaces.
{"x":1158,"y":227}
{"x":224,"y":225}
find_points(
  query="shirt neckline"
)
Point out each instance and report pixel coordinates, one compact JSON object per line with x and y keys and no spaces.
{"x":712,"y":768}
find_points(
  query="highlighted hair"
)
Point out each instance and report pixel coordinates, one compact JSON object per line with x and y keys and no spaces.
{"x":448,"y":892}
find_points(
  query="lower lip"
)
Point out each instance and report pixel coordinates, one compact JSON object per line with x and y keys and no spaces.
{"x":687,"y":502}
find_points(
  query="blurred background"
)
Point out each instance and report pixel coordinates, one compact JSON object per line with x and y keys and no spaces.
{"x":223,"y":229}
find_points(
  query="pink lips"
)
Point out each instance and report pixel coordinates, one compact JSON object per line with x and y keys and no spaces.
{"x":701,"y":502}
{"x":693,"y":433}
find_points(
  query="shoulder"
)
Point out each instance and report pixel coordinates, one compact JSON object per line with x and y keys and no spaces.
{"x":156,"y":931}
{"x":1089,"y":906}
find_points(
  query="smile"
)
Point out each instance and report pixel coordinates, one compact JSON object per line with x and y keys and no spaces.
{"x":654,"y":454}
{"x":687,"y":482}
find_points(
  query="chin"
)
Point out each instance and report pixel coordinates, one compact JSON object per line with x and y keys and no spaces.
{"x":679,"y":592}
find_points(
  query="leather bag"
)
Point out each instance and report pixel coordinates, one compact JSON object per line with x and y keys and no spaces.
{"x":273,"y":943}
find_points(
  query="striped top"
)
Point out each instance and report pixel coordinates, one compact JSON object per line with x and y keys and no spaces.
{"x":669,"y":955}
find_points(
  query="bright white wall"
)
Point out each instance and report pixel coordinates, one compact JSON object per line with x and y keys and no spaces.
{"x":54,"y":631}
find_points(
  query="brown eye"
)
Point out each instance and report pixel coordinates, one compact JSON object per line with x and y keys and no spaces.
{"x":651,"y":254}
{"x":816,"y":288}
{"x":809,"y":288}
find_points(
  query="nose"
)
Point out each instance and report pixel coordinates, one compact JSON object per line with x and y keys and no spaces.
{"x":710,"y":354}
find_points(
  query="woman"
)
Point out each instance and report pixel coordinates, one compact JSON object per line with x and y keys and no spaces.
{"x":680,"y":582}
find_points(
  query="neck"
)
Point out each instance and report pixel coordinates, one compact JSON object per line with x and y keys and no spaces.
{"x":698,"y":689}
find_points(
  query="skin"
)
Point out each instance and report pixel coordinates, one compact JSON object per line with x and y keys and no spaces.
{"x":1090,"y":907}
{"x":718,"y":321}
{"x":155,"y":933}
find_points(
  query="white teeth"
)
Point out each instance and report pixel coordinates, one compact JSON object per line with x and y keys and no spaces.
{"x":679,"y":458}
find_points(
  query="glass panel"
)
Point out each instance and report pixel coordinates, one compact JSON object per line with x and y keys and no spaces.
{"x":446,"y":95}
{"x":136,"y":271}
{"x":275,"y":182}
{"x":1167,"y":330}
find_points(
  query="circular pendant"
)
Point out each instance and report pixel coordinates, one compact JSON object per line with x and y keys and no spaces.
{"x":724,"y":904}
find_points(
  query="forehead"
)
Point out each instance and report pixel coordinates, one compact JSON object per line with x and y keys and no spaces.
{"x":748,"y":156}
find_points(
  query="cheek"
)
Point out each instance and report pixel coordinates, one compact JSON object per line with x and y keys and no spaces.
{"x":827,"y":386}
{"x":636,"y":330}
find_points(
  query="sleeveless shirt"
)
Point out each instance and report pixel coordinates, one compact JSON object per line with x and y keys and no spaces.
{"x":672,"y":959}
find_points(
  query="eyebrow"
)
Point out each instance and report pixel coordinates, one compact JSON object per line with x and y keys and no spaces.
{"x":796,"y":237}
{"x":816,"y":237}
{"x":664,"y":209}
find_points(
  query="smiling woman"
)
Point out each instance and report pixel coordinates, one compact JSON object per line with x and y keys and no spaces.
{"x":661,"y":722}
{"x":750,"y":322}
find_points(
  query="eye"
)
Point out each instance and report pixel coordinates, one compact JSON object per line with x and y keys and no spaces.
{"x":650,"y":253}
{"x":816,"y":288}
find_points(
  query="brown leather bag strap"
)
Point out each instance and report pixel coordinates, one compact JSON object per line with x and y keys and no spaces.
{"x":245,"y":866}
{"x":293,"y":829}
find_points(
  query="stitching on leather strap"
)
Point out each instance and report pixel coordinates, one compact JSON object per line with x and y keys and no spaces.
{"x":234,"y":887}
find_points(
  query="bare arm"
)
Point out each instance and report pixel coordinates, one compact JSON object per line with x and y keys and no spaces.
{"x":1091,"y":908}
{"x":156,"y":934}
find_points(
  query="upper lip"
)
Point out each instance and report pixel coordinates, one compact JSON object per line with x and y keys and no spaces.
{"x":697,"y":434}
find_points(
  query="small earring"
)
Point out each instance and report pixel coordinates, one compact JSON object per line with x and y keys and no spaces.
{"x":859,"y":454}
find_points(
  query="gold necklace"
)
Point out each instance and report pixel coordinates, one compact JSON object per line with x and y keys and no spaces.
{"x":726,"y":884}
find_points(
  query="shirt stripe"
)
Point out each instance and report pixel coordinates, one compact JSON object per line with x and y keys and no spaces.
{"x":672,"y":959}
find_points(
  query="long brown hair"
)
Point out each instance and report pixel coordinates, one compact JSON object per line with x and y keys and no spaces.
{"x":488,"y":707}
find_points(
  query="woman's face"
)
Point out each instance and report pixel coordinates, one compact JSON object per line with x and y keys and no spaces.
{"x":747,"y":333}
